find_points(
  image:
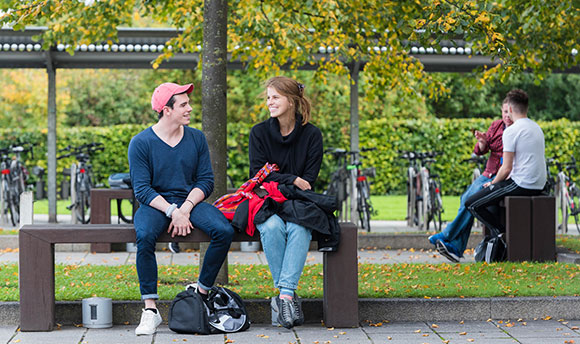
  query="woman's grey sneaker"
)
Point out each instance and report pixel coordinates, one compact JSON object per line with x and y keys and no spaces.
{"x":298,"y":314}
{"x":286,"y":312}
{"x":149,"y":323}
{"x":274,"y":310}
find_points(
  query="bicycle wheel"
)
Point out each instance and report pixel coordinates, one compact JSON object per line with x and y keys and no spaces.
{"x":83,"y":201}
{"x":120,"y":214}
{"x":564,"y":206}
{"x":573,"y":197}
{"x":426,"y":204}
{"x":333,"y":190}
{"x":411,"y":197}
{"x":364,"y":208}
{"x":14,"y":207}
{"x":436,"y":205}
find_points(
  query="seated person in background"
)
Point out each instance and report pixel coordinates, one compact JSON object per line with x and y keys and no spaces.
{"x":452,"y":241}
{"x":523,"y":172}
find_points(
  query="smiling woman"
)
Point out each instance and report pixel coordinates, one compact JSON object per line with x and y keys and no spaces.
{"x":289,"y":141}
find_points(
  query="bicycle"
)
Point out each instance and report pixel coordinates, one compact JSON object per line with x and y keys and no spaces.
{"x":431,"y":193}
{"x":14,"y":176}
{"x":424,"y":201}
{"x":567,"y":193}
{"x":479,"y":161}
{"x":82,"y":179}
{"x":414,"y":199}
{"x":338,"y":185}
{"x":123,"y":181}
{"x":350,"y":181}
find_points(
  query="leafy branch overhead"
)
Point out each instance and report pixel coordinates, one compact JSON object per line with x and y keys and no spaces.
{"x":270,"y":35}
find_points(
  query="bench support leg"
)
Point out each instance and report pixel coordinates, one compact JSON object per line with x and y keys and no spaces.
{"x":341,"y":281}
{"x":518,"y":224}
{"x":36,"y":283}
{"x":100,"y":213}
{"x":543,"y":228}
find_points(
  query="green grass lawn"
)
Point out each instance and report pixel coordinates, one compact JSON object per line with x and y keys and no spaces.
{"x":375,"y":281}
{"x":394,"y":207}
{"x":388,"y":207}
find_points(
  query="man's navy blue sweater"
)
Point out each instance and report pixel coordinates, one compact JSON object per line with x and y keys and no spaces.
{"x":172,"y":172}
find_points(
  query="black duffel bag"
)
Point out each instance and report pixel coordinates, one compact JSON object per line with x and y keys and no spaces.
{"x":223,"y":312}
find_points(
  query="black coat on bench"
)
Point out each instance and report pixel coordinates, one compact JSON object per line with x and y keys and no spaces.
{"x":309,"y":209}
{"x":304,"y":207}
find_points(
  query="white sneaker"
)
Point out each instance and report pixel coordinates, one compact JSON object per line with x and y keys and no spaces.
{"x":149,"y":322}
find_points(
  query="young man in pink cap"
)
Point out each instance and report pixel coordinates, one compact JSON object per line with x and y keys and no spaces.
{"x":171,"y":175}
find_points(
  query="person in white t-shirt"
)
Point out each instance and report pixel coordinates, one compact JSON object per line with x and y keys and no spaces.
{"x":523,"y":172}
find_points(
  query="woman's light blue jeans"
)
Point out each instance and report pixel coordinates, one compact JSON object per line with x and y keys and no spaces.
{"x":286,"y":246}
{"x":457,"y":232}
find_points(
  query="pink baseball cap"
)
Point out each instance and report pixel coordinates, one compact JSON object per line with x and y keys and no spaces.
{"x":165,"y":91}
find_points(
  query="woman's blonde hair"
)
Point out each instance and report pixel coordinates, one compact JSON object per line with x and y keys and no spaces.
{"x":294,"y":91}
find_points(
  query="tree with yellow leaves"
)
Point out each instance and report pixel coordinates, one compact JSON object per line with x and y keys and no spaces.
{"x":268,"y":35}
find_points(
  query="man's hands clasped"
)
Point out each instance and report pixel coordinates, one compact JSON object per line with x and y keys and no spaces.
{"x":180,"y":224}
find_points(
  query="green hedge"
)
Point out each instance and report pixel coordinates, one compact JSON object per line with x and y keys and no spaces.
{"x":452,"y":137}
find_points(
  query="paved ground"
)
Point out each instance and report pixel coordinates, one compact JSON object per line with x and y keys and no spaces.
{"x":488,"y":332}
{"x":237,"y":257}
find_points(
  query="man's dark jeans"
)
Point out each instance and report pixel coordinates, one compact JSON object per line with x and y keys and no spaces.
{"x":150,"y":223}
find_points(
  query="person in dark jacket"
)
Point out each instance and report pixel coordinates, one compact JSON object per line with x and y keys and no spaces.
{"x":295,"y":145}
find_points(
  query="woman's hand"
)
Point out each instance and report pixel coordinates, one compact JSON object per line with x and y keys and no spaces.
{"x":302,"y":184}
{"x":180,"y":224}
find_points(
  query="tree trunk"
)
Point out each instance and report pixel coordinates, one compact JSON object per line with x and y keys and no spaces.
{"x":214,"y":100}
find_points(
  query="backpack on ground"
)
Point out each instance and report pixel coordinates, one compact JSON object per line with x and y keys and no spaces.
{"x":224,"y":311}
{"x":491,"y":249}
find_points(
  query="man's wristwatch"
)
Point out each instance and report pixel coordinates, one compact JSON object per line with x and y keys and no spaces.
{"x":169,"y":211}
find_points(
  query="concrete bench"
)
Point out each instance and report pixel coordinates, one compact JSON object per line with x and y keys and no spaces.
{"x":530,"y":224}
{"x":36,"y":269}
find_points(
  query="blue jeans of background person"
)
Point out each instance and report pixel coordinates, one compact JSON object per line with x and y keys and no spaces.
{"x":150,"y":223}
{"x":286,"y":246}
{"x":457,"y":232}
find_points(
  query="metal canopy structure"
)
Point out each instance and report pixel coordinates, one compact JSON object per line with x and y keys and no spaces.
{"x":137,"y":48}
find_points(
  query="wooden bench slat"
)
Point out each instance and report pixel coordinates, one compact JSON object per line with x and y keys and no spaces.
{"x":107,"y":233}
